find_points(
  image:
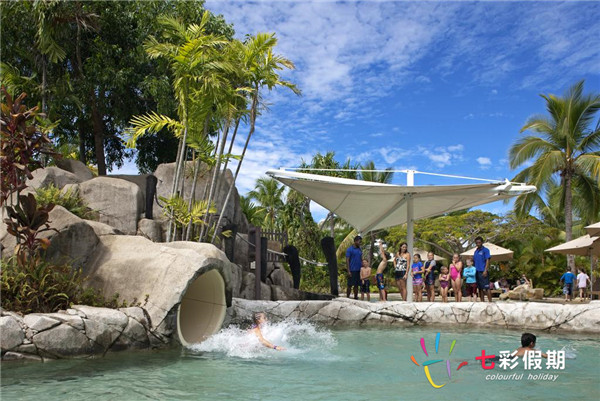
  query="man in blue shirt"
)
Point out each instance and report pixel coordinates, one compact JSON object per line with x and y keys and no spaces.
{"x":481,"y":259}
{"x":568,"y":279}
{"x":353,"y":265}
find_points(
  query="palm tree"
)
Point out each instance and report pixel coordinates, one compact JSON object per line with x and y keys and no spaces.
{"x":369,"y":173}
{"x":261,"y":67}
{"x":253,"y":213}
{"x":269,"y":195}
{"x":199,"y":82}
{"x":566,"y":148}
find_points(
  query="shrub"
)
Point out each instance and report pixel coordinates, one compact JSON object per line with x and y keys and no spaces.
{"x":40,"y":286}
{"x":69,"y":199}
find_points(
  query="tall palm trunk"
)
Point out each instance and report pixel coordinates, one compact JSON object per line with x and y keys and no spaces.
{"x":569,"y":215}
{"x":253,"y":111}
{"x":192,"y":196}
{"x":98,"y":129}
{"x":213,"y":183}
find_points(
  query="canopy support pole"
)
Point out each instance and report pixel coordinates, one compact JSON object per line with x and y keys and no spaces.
{"x":410,"y":182}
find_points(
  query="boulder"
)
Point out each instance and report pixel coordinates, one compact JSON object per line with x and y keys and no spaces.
{"x":17,"y":356}
{"x":134,"y":336}
{"x":43,"y":177}
{"x":118,"y":202}
{"x":538,"y":293}
{"x":63,"y":341}
{"x":110,"y":317}
{"x":247,"y":290}
{"x":151,"y":229}
{"x":75,"y":240}
{"x":240,"y":257}
{"x":281,"y":278}
{"x":102,"y":334}
{"x":139,"y":180}
{"x":233,"y":213}
{"x":236,"y":280}
{"x":11,"y":333}
{"x":76,"y":167}
{"x":39,"y":322}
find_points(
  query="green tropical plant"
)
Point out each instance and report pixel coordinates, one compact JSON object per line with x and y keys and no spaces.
{"x":566,"y":149}
{"x":261,"y":70}
{"x":253,"y":213}
{"x":70,"y":199}
{"x":268,"y":193}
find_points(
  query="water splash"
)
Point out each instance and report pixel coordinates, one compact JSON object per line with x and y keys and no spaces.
{"x":301,"y":339}
{"x":570,"y":351}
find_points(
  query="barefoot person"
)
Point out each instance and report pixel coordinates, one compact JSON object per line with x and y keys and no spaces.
{"x":365,"y":282}
{"x":401,"y":269}
{"x":416,"y":272}
{"x":568,"y":278}
{"x":260,"y":319}
{"x":380,"y":270}
{"x":469,"y":273}
{"x":582,"y":283}
{"x":431,"y":271}
{"x":481,"y":259}
{"x":455,"y":275}
{"x":444,"y":283}
{"x":353,"y":265}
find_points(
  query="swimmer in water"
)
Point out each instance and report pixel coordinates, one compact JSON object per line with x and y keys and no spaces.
{"x":527,"y":344}
{"x":259,"y":319}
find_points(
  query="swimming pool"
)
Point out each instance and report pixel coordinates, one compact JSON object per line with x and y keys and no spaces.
{"x":320,"y":364}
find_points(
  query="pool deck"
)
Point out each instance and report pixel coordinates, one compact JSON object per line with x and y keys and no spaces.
{"x":571,"y":317}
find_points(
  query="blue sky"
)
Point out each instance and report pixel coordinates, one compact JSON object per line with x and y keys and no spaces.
{"x":432,"y":86}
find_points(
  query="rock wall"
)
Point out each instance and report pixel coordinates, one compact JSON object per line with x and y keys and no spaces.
{"x":582,"y":318}
{"x":82,"y":331}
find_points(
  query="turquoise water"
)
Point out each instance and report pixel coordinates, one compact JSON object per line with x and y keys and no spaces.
{"x":320,"y":364}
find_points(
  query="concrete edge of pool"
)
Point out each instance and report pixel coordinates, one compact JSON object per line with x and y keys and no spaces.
{"x":580,"y":318}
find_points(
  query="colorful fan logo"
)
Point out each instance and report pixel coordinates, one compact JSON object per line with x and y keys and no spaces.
{"x":432,"y":361}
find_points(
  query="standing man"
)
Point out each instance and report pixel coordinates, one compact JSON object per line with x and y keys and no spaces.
{"x":568,"y":279}
{"x":353,"y":265}
{"x":481,"y":258}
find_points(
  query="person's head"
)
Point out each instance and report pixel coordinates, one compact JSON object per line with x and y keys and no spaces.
{"x":455,"y":257}
{"x":444,"y":270}
{"x":580,"y":270}
{"x":568,"y":268}
{"x":259,"y":318}
{"x":416,"y":257}
{"x":430,"y":255}
{"x":403,"y":247}
{"x":357,"y":241}
{"x":479,"y":242}
{"x":523,"y":276}
{"x":365,"y":263}
{"x":469,"y":261}
{"x":528,"y":340}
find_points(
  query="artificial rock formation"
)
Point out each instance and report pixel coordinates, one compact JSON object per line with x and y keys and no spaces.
{"x":583,"y":318}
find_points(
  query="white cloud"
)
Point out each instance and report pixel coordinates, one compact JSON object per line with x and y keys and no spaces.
{"x":484,"y":162}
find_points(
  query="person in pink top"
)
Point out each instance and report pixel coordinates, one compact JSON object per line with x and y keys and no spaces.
{"x":455,"y":277}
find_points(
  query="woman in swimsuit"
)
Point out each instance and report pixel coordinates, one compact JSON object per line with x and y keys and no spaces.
{"x":417,"y":274}
{"x":259,"y":319}
{"x":444,"y":279}
{"x":455,"y":275}
{"x":401,"y":269}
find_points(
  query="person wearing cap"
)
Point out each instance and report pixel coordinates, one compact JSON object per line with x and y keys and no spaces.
{"x":353,"y":265}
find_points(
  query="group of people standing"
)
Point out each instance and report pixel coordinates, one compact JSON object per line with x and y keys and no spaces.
{"x":423,"y":274}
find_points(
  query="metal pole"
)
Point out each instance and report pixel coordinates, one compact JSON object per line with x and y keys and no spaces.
{"x":257,"y":264}
{"x":410,"y":182}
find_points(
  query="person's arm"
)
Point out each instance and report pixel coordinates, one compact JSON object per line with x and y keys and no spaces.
{"x":348,"y":264}
{"x":487,"y":265}
{"x":407,"y":266}
{"x":265,"y":342}
{"x":382,"y":252}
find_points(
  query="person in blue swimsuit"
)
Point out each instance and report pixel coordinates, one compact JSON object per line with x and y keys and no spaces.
{"x":385,"y":257}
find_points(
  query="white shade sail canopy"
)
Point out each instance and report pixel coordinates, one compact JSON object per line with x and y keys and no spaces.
{"x":585,"y":246}
{"x":369,"y":205}
{"x":497,"y":253}
{"x":593,"y":229}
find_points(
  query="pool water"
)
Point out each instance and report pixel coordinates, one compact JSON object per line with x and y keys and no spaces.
{"x":319,"y":364}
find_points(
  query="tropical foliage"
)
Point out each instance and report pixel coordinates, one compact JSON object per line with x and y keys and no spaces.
{"x":565,"y":155}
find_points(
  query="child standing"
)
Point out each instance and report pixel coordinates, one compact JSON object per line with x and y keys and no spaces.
{"x":417,"y":273}
{"x":365,"y":283}
{"x":582,"y":283}
{"x":455,"y":275}
{"x":380,"y":270}
{"x":469,"y":273}
{"x":431,"y":270}
{"x":444,"y":283}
